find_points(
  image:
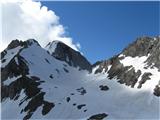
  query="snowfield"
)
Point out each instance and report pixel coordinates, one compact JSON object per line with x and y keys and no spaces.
{"x":139,"y":63}
{"x":76,"y":93}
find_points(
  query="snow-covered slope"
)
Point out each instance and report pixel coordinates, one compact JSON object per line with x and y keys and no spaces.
{"x":37,"y":85}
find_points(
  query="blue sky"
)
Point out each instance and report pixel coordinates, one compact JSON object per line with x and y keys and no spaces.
{"x":104,"y":28}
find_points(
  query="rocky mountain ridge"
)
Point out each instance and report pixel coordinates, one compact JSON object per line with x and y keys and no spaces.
{"x":145,"y":48}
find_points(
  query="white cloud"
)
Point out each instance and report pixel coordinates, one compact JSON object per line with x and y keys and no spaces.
{"x":27,"y":19}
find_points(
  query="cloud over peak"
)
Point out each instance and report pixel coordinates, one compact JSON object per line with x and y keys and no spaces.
{"x":28,"y":19}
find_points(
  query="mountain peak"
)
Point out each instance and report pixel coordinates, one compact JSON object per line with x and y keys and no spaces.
{"x":63,"y":52}
{"x":16,"y":43}
{"x":142,"y":46}
{"x":30,"y":42}
{"x":51,"y":46}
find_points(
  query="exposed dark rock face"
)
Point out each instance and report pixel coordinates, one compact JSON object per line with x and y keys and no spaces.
{"x":74,"y":104}
{"x":16,"y":43}
{"x":124,"y":74}
{"x":155,"y":55}
{"x":47,"y":107}
{"x":145,"y":76}
{"x":141,"y":47}
{"x":47,"y":60}
{"x":3,"y":53}
{"x":157,"y":90}
{"x":102,"y":65}
{"x":130,"y":78}
{"x":13,"y":89}
{"x":14,"y":70}
{"x":98,"y":116}
{"x":68,"y":99}
{"x":65,"y":70}
{"x":73,"y":58}
{"x":72,"y":93}
{"x":144,"y":46}
{"x":81,"y":90}
{"x":80,"y":106}
{"x":51,"y":76}
{"x":85,"y":110}
{"x":104,"y":87}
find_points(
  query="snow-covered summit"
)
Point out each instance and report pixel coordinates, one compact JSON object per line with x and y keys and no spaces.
{"x":51,"y":46}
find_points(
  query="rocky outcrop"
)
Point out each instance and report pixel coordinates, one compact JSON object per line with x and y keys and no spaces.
{"x":104,"y":87}
{"x":124,"y":74}
{"x":141,"y":47}
{"x":98,"y":116}
{"x":145,"y":76}
{"x":64,"y":53}
{"x":103,"y":65}
{"x":157,"y":90}
{"x":144,"y":46}
{"x":16,"y":43}
{"x":154,"y":58}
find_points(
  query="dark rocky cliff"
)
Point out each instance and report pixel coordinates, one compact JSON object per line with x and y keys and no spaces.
{"x":73,"y":58}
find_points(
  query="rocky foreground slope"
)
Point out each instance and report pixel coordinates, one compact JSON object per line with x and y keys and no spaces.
{"x":57,"y":82}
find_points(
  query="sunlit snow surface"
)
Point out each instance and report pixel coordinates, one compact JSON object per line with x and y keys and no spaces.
{"x":119,"y":102}
{"x":139,"y":63}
